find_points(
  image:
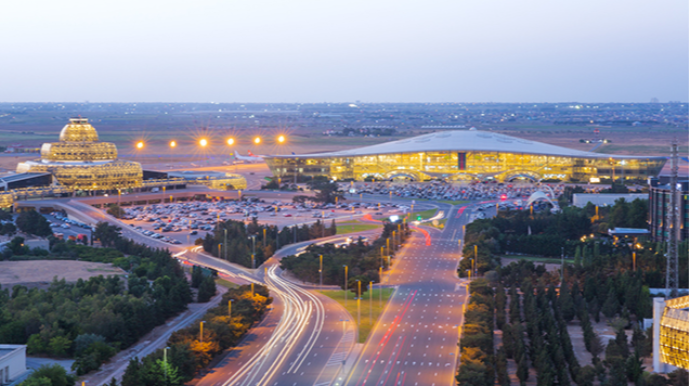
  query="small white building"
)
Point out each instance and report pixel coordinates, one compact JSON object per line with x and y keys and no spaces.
{"x":12,"y":362}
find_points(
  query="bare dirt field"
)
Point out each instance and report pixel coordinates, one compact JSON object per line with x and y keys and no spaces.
{"x":39,"y":273}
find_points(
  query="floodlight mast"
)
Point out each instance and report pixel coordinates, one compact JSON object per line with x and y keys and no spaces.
{"x":673,"y":227}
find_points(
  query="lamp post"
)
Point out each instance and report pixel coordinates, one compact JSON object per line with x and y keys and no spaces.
{"x":346,"y":289}
{"x":634,"y":262}
{"x":371,"y":302}
{"x":359,"y":297}
{"x":474,"y":261}
{"x":165,"y":360}
{"x":230,"y":307}
{"x":321,"y":271}
{"x":225,"y":242}
{"x":562,"y":264}
{"x":219,"y":249}
{"x":201,"y":331}
{"x":253,"y":237}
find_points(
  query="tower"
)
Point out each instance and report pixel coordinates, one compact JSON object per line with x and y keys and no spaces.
{"x":673,"y":227}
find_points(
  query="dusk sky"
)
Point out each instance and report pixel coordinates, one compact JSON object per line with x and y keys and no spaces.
{"x":328,"y":51}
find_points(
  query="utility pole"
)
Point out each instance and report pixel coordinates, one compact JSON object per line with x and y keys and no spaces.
{"x":225,"y":242}
{"x":562,"y":264}
{"x":346,"y":289}
{"x":253,"y":249}
{"x":673,"y":227}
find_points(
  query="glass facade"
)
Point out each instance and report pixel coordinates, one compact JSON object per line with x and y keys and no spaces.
{"x":466,"y":165}
{"x":674,"y":333}
{"x":79,"y":161}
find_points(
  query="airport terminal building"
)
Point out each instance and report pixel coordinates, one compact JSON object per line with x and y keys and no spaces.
{"x":466,"y":155}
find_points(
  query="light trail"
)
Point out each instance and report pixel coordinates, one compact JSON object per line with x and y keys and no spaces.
{"x":291,"y":327}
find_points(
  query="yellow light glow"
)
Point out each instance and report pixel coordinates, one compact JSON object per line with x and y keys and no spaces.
{"x":281,"y":139}
{"x":140,"y":145}
{"x":203,"y":142}
{"x":231,"y":141}
{"x":257,"y":140}
{"x":173,"y":143}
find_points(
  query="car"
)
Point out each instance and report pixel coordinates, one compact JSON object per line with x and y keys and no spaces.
{"x":192,"y":233}
{"x":288,"y":215}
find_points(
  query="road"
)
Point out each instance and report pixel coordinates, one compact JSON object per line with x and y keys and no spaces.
{"x":302,"y":340}
{"x":415,"y":340}
{"x":306,"y":337}
{"x":306,"y":347}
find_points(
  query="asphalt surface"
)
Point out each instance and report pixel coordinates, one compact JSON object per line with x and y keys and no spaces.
{"x":415,"y":341}
{"x":302,"y":339}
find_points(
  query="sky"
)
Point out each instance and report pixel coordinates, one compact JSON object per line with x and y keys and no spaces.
{"x":344,"y":51}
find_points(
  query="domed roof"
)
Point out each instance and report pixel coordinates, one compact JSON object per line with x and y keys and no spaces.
{"x":78,"y":130}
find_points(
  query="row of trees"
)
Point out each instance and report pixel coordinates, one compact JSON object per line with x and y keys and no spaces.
{"x":267,"y":239}
{"x":187,"y":353}
{"x":363,"y":260}
{"x":534,"y":322}
{"x":477,"y":359}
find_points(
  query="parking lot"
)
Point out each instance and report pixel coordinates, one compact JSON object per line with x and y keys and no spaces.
{"x":67,"y":229}
{"x":451,"y":192}
{"x":184,"y":222}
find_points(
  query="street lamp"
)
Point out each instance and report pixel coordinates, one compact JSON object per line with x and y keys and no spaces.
{"x":140,"y":145}
{"x":201,"y":331}
{"x":230,"y":141}
{"x":165,"y":360}
{"x":203,"y":142}
{"x":257,"y":140}
{"x":345,"y":285}
{"x":253,"y":237}
{"x":321,"y":271}
{"x":173,"y":144}
{"x":281,"y":139}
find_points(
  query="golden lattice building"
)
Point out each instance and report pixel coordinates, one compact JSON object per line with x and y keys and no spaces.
{"x":81,"y":162}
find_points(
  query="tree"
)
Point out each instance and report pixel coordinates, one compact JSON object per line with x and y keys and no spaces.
{"x":42,"y":381}
{"x":502,"y":368}
{"x":8,"y":229}
{"x":5,"y":215}
{"x":108,"y":234}
{"x":207,"y":289}
{"x":326,"y":190}
{"x":197,"y":276}
{"x":611,"y":306}
{"x":565,"y":303}
{"x":115,"y":210}
{"x":678,"y":377}
{"x":31,"y":222}
{"x":59,"y":346}
{"x":56,"y":374}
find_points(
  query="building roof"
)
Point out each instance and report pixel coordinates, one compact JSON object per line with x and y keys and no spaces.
{"x":21,"y":176}
{"x":9,"y":349}
{"x":464,"y":140}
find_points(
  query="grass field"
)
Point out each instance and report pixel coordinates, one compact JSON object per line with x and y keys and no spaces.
{"x":425,"y":214}
{"x":353,"y":226}
{"x":456,"y":202}
{"x":366,"y":323}
{"x":226,"y":283}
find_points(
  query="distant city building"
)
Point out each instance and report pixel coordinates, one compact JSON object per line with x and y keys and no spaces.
{"x":81,"y":162}
{"x":471,"y":155}
{"x":12,"y":362}
{"x":659,"y":198}
{"x":670,"y":346}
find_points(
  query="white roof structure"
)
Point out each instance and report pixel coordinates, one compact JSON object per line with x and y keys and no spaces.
{"x":464,"y":140}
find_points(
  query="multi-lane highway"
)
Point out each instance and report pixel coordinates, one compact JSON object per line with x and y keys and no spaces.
{"x":306,"y":337}
{"x":415,"y":340}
